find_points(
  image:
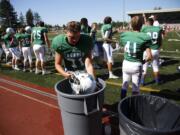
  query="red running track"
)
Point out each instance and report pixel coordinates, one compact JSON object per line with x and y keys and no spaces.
{"x":28,"y":109}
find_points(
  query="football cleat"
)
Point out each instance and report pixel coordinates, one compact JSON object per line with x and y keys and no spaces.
{"x":82,"y":83}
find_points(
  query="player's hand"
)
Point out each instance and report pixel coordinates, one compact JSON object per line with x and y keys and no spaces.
{"x":69,"y":74}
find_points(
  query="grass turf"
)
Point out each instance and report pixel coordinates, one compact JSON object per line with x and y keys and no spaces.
{"x":169,"y":75}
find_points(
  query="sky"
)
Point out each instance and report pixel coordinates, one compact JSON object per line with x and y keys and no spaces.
{"x":62,"y":11}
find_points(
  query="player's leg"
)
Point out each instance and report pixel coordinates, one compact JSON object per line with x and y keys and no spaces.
{"x":36,"y":49}
{"x":42,"y":58}
{"x":25,"y":56}
{"x":125,"y":85}
{"x":108,"y":52}
{"x":126,"y":72}
{"x":136,"y":77}
{"x":145,"y":67}
{"x":13,"y":58}
{"x":155,"y":65}
{"x":17,"y":55}
{"x":1,"y":52}
{"x":29,"y":55}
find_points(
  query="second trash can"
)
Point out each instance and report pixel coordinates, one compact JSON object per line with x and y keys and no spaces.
{"x":81,"y":114}
{"x":148,"y":115}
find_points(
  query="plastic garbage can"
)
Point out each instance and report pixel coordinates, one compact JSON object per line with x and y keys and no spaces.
{"x":81,"y":114}
{"x":148,"y":115}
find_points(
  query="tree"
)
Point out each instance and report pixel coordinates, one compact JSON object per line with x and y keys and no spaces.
{"x":37,"y":17}
{"x":21,"y":20}
{"x":29,"y":18}
{"x":8,"y":17}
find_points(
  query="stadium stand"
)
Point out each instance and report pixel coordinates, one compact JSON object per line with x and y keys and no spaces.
{"x":169,"y":17}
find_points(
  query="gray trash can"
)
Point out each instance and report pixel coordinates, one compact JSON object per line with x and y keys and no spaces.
{"x":148,"y":115}
{"x":81,"y":114}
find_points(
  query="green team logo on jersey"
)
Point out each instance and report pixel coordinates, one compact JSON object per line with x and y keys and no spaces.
{"x":76,"y":56}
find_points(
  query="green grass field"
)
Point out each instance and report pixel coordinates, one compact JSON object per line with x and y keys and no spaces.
{"x":169,"y":74}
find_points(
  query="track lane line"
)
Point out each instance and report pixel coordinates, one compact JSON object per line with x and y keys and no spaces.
{"x":29,"y":88}
{"x":29,"y":97}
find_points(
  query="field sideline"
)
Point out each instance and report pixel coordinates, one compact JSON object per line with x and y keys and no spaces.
{"x":169,"y":74}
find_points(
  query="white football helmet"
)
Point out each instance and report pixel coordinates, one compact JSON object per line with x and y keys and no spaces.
{"x":28,"y":29}
{"x":10,"y":30}
{"x":82,"y":83}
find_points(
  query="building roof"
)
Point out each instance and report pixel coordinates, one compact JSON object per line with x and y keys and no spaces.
{"x":153,"y":11}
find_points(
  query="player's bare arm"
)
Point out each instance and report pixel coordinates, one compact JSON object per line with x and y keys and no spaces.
{"x":58,"y":66}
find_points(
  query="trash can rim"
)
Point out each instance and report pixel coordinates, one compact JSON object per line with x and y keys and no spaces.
{"x":81,"y":95}
{"x":138,"y":125}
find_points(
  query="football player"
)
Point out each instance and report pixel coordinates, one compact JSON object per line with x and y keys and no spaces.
{"x":13,"y":46}
{"x":39,"y":38}
{"x":134,"y":43}
{"x":155,"y":32}
{"x":106,"y":31}
{"x":85,"y":28}
{"x":75,"y":49}
{"x":1,"y":50}
{"x":26,"y":48}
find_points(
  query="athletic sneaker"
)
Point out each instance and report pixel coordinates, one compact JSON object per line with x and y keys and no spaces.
{"x":178,"y":68}
{"x":112,"y":76}
{"x":37,"y":71}
{"x":45,"y":72}
{"x":16,"y":68}
{"x":24,"y":70}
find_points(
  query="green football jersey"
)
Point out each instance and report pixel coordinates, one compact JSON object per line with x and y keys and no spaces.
{"x":1,"y":41}
{"x":134,"y":43}
{"x":10,"y":41}
{"x":18,"y":36}
{"x":38,"y":35}
{"x":26,"y":40}
{"x":155,"y":33}
{"x":106,"y":28}
{"x":74,"y":55}
{"x":85,"y":30}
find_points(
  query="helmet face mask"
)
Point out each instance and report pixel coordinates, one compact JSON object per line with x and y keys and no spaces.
{"x":82,"y":83}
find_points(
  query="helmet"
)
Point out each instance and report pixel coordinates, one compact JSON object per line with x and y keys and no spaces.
{"x":28,"y":29}
{"x":10,"y":30}
{"x":82,"y":83}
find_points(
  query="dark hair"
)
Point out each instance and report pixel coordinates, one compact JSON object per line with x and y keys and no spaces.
{"x":73,"y":26}
{"x":40,"y":23}
{"x":137,"y":22}
{"x":84,"y":21}
{"x":150,"y":21}
{"x":107,"y":20}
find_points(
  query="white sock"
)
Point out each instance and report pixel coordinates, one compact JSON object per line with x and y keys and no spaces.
{"x":110,"y":73}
